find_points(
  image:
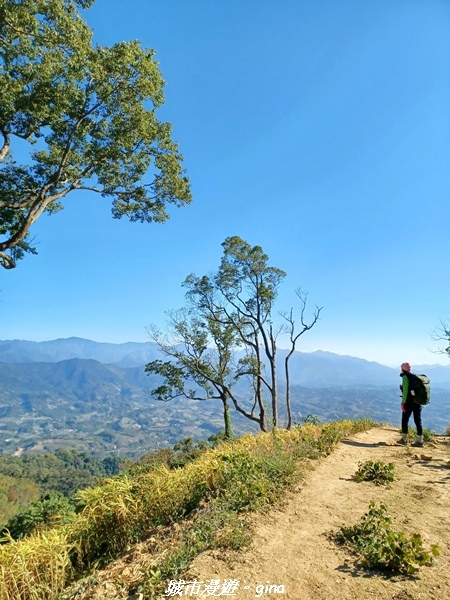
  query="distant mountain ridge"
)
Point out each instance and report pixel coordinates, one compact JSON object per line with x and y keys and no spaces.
{"x":99,"y":401}
{"x":310,"y":369}
{"x":23,"y":351}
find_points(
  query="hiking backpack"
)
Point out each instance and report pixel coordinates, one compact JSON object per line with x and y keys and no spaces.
{"x":422,"y":389}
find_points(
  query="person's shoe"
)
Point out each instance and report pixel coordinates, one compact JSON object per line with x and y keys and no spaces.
{"x":417,"y":444}
{"x":402,"y":442}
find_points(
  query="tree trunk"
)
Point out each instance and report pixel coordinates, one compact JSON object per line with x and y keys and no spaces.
{"x":227,"y":419}
{"x":258,"y":392}
{"x":273,"y":372}
{"x":288,"y":391}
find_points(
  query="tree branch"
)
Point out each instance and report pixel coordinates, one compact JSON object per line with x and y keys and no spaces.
{"x":7,"y":261}
{"x":6,"y":143}
{"x":87,"y":188}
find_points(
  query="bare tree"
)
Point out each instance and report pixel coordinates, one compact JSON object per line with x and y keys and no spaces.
{"x":442,"y":334}
{"x":293,"y":337}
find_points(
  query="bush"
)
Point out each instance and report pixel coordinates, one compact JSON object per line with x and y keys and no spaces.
{"x":36,"y":567}
{"x":381,"y":547}
{"x":49,"y":511}
{"x":378,"y":472}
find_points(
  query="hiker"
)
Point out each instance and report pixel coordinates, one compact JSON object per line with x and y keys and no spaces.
{"x":409,"y":407}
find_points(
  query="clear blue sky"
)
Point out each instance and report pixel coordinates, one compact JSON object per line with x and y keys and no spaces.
{"x":319,"y":130}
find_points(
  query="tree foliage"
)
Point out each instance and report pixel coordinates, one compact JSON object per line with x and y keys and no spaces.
{"x":49,"y":510}
{"x":15,"y":495}
{"x":90,"y":113}
{"x":200,"y":365}
{"x":65,"y":471}
{"x":242,"y":295}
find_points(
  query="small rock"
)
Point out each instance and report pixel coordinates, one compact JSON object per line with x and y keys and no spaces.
{"x":426,"y":457}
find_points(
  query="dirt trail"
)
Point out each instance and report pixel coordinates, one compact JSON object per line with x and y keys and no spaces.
{"x":290,"y":548}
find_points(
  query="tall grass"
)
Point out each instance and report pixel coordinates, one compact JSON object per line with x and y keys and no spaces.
{"x":242,"y":474}
{"x":36,"y":568}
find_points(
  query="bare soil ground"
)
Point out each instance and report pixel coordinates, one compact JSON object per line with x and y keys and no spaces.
{"x":291,"y":550}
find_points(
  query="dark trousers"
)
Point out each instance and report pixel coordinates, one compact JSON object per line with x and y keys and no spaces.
{"x":412,"y":408}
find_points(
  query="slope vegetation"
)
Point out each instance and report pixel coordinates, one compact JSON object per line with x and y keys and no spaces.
{"x":160,"y":533}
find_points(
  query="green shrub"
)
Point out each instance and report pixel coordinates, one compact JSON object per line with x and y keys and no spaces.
{"x":216,"y":527}
{"x":381,"y":547}
{"x":377,"y":471}
{"x":309,"y":418}
{"x":49,"y":511}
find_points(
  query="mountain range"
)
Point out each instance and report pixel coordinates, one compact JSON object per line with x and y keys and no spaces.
{"x":312,"y":369}
{"x":95,"y":396}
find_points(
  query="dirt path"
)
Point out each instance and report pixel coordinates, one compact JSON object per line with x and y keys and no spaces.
{"x":292,"y":552}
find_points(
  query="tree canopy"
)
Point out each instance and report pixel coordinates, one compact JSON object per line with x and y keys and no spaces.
{"x":86,"y":114}
{"x":200,"y":365}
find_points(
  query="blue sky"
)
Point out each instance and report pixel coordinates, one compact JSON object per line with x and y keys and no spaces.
{"x":318,"y":130}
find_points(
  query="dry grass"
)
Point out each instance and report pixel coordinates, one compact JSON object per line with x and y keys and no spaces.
{"x":35,"y":568}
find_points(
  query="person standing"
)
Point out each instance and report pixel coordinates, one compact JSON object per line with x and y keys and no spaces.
{"x":409,"y":407}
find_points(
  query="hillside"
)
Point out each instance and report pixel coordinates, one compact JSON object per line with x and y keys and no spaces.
{"x":309,"y":369}
{"x":290,"y":547}
{"x":247,"y":515}
{"x":101,"y":408}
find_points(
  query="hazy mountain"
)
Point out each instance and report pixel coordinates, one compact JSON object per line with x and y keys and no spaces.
{"x":438,"y":374}
{"x":97,"y":406}
{"x":69,"y":378}
{"x":320,"y":369}
{"x":310,"y":369}
{"x":22,"y":351}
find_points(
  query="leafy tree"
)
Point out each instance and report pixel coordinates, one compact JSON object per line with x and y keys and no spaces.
{"x":250,"y":286}
{"x":200,"y":365}
{"x":242,"y":295}
{"x":230,"y":309}
{"x":89,"y":111}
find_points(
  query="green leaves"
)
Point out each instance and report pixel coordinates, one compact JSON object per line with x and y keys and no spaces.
{"x":174,"y":377}
{"x":246,"y":279}
{"x":381,"y":547}
{"x":47,"y":512}
{"x":376,"y":471}
{"x":91,"y":111}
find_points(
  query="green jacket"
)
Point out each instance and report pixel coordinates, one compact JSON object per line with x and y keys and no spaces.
{"x":406,"y":388}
